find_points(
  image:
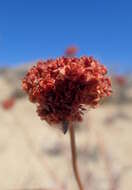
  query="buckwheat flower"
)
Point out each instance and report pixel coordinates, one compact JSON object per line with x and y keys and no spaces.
{"x":64,"y":87}
{"x":8,"y":103}
{"x":71,"y":51}
{"x":120,"y":80}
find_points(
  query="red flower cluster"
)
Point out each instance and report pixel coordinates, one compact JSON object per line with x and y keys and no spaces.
{"x":71,"y":51}
{"x":62,"y":87}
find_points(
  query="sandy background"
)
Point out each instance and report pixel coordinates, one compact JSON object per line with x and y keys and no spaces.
{"x":34,"y":155}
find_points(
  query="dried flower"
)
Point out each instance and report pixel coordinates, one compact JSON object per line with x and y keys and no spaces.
{"x":8,"y":103}
{"x":120,"y":80}
{"x":71,"y":51}
{"x":62,"y":87}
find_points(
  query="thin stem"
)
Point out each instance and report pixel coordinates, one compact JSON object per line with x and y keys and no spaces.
{"x":74,"y":157}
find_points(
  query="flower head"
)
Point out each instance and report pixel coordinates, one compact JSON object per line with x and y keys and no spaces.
{"x":8,"y":103}
{"x":62,"y":87}
{"x":120,"y":80}
{"x":71,"y":51}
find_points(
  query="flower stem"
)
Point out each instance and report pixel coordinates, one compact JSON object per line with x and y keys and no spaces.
{"x":74,"y":157}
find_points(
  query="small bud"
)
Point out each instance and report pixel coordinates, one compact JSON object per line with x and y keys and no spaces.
{"x":65,"y":126}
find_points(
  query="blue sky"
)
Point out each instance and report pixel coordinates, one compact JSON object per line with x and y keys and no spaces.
{"x":37,"y":29}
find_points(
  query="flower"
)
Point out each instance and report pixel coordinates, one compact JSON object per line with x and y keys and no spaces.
{"x":63,"y":87}
{"x":71,"y":51}
{"x":8,"y":103}
{"x":120,"y":80}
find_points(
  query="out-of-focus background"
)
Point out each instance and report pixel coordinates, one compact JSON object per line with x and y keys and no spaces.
{"x":33,"y":155}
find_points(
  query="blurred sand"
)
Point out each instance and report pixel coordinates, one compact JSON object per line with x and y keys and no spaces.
{"x":33,"y":155}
